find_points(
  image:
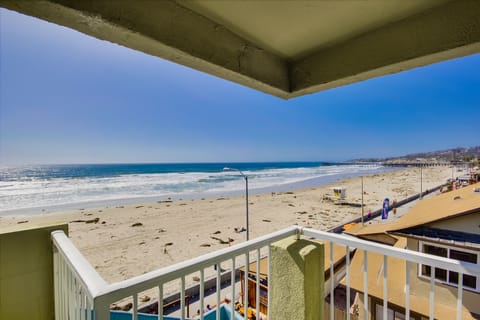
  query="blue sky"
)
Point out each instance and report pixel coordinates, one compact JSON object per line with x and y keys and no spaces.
{"x":70,"y":98}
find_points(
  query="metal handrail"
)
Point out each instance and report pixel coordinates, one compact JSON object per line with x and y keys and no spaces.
{"x":151,"y":279}
{"x":103,"y":294}
{"x":394,"y":252}
{"x":80,"y":266}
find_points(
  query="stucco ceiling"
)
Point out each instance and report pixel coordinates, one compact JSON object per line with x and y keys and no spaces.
{"x":295,"y":29}
{"x":284,"y":48}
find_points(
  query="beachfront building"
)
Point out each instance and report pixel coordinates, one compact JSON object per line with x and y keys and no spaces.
{"x":446,"y":225}
{"x":475,"y":175}
{"x":324,"y":45}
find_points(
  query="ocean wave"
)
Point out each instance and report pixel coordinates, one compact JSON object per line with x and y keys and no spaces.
{"x":26,"y":189}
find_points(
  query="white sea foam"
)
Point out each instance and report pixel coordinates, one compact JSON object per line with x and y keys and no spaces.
{"x":49,"y":192}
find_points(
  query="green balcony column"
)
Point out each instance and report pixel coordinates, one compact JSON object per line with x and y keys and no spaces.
{"x":296,"y":280}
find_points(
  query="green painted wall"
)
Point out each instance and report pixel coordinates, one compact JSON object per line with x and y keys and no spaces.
{"x":26,"y":272}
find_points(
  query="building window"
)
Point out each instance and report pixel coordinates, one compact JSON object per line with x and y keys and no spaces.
{"x":450,"y":277}
{"x":393,"y":312}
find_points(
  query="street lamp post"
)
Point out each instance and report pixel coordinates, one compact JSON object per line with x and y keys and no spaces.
{"x":246,"y":196}
{"x":363,"y":223}
{"x":421,"y":183}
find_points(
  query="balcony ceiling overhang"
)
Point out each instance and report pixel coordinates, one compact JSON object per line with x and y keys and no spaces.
{"x":284,"y":48}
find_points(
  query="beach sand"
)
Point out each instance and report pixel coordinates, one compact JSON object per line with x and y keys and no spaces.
{"x":126,"y":241}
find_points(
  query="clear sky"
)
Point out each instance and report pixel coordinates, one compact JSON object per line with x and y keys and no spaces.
{"x":70,"y":98}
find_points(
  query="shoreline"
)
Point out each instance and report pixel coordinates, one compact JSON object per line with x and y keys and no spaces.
{"x":98,"y":204}
{"x":157,"y":234}
{"x":124,"y":241}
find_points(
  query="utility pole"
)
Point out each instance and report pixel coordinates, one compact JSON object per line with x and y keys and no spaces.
{"x":363,"y":222}
{"x":421,"y":183}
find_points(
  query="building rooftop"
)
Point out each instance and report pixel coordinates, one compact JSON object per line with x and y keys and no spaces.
{"x":445,"y":206}
{"x":396,"y":284}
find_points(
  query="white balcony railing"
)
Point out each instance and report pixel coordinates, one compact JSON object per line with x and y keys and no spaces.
{"x":80,"y":292}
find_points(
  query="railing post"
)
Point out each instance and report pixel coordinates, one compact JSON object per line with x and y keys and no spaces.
{"x":432,"y":293}
{"x":202,"y":294}
{"x":332,"y":284}
{"x":101,"y":308}
{"x":56,"y":284}
{"x":232,"y":284}
{"x":347,"y":276}
{"x":257,"y":287}
{"x":365,"y":284}
{"x":460,"y":296}
{"x":296,"y":280}
{"x":407,"y":290}
{"x":247,"y":280}
{"x":385,"y":287}
{"x":219,"y":289}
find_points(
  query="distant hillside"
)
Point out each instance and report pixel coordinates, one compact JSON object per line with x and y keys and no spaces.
{"x":468,"y":154}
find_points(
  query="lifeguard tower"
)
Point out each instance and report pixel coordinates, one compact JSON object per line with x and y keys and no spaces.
{"x":339,"y":193}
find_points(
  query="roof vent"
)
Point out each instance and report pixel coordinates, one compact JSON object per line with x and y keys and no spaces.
{"x":456,"y":198}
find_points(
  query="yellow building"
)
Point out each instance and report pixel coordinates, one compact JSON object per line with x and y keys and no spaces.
{"x":447,"y":225}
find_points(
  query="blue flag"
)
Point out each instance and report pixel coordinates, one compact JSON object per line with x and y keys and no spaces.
{"x":386,"y":204}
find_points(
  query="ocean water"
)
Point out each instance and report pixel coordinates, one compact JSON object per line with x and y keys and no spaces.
{"x":31,"y":189}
